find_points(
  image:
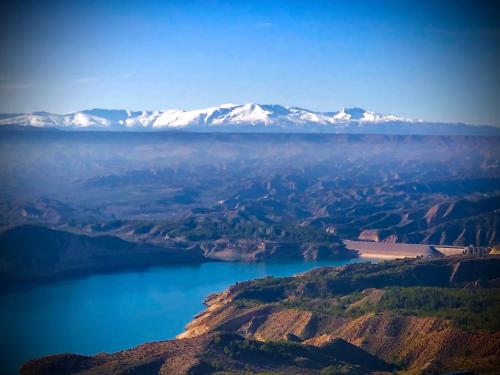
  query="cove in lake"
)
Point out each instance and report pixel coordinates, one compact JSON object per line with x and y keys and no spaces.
{"x":111,"y":312}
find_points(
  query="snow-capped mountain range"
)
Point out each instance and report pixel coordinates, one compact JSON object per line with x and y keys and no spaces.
{"x":239,"y":117}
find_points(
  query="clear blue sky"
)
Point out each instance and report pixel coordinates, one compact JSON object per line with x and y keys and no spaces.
{"x":434,"y":60}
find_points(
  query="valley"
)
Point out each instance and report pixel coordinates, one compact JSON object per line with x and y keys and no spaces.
{"x":111,"y":201}
{"x":78,"y":209}
{"x":250,"y":187}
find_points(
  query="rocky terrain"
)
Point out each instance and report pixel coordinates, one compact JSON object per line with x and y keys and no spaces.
{"x":406,"y":316}
{"x":184,"y":187}
{"x":244,"y":197}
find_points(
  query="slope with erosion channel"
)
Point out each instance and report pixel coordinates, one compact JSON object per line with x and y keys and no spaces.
{"x":410,"y":316}
{"x":201,"y":188}
{"x":433,"y":315}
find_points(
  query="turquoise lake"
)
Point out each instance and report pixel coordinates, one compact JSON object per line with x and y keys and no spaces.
{"x":111,"y":312}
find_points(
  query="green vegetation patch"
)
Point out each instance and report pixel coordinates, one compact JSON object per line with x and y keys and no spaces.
{"x":276,"y":350}
{"x":406,"y":287}
{"x":342,"y":370}
{"x":222,"y":227}
{"x":469,"y":309}
{"x":281,"y":353}
{"x":340,"y":306}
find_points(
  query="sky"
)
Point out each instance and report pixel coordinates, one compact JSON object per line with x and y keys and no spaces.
{"x":433,"y":60}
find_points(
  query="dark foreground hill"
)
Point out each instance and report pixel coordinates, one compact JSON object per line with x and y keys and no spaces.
{"x":33,"y":253}
{"x":217,"y":353}
{"x":409,"y":316}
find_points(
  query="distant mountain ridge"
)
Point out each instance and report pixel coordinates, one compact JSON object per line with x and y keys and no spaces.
{"x":242,"y":118}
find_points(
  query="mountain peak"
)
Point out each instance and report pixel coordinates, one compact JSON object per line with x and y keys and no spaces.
{"x":237,"y":117}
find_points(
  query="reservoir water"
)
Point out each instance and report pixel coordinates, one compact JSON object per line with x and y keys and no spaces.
{"x":111,"y":312}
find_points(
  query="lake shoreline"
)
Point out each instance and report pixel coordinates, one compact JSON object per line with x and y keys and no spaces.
{"x":87,"y":315}
{"x":67,"y":275}
{"x":79,"y":274}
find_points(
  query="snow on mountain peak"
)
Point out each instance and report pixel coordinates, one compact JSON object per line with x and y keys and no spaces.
{"x":224,"y":116}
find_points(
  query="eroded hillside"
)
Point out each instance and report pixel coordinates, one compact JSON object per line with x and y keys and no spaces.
{"x":227,"y":193}
{"x":409,"y":316}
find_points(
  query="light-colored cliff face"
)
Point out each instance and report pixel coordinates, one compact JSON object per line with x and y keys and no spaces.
{"x":203,"y":322}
